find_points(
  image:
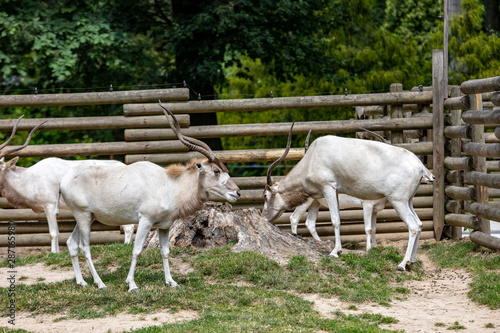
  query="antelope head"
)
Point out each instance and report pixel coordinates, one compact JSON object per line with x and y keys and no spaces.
{"x":214,"y":175}
{"x":4,"y":152}
{"x":274,"y":203}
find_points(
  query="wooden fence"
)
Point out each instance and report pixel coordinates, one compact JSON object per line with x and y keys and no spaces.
{"x":473,"y":161}
{"x":402,"y":115}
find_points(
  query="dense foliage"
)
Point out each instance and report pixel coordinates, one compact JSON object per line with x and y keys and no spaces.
{"x":233,"y":49}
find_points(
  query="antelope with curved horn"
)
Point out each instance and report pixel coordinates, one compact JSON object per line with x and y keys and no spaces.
{"x":369,"y":170}
{"x":142,"y":193}
{"x":37,"y":187}
{"x":370,"y":210}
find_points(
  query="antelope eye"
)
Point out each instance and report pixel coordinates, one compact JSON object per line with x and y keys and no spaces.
{"x":217,"y":171}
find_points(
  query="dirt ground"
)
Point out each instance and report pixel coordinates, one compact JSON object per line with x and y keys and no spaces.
{"x":441,"y":297}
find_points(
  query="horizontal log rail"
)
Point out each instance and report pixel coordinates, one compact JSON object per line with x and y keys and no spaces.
{"x":376,"y":110}
{"x":493,"y":193}
{"x":460,"y":193}
{"x":458,"y":163}
{"x":484,"y":211}
{"x":95,"y":98}
{"x":482,"y":179}
{"x":462,"y":220}
{"x":486,"y":240}
{"x":43,"y":227}
{"x":324,"y":229}
{"x":492,"y":166}
{"x":481,"y":149}
{"x":99,"y":148}
{"x":457,"y":103}
{"x":226,"y":156}
{"x":257,"y":196}
{"x":357,"y":215}
{"x":25,"y":214}
{"x":281,"y":103}
{"x":393,"y":237}
{"x":482,"y":117}
{"x":495,"y":98}
{"x":29,"y":240}
{"x":480,"y":85}
{"x":86,"y":123}
{"x":251,"y":155}
{"x":491,"y":137}
{"x":317,"y":127}
{"x":457,"y":132}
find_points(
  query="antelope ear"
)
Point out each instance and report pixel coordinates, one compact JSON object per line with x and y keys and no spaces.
{"x":201,"y":168}
{"x":273,"y":188}
{"x":12,"y":162}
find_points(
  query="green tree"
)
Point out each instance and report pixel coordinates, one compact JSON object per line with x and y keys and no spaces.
{"x":70,"y":46}
{"x":474,"y":47}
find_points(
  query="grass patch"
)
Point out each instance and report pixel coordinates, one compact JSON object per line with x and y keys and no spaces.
{"x":456,"y":326}
{"x":248,"y":292}
{"x":484,"y":265}
{"x":213,"y":289}
{"x":352,"y":277}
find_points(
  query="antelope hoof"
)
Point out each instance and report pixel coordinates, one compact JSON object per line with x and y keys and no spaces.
{"x":134,"y":288}
{"x":334,"y":254}
{"x":400,"y":268}
{"x":104,"y":287}
{"x":172,"y":284}
{"x":82,"y":283}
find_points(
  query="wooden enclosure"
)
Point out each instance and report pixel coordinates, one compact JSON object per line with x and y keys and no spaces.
{"x":453,"y":145}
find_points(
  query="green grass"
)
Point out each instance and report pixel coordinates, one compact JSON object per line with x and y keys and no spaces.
{"x":230,"y":291}
{"x":246,"y":291}
{"x":484,"y":265}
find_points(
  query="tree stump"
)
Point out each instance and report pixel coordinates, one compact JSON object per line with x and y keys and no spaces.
{"x":217,"y":225}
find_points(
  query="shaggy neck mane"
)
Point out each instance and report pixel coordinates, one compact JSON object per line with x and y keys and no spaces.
{"x":292,"y":192}
{"x":191,"y":197}
{"x":294,"y":199}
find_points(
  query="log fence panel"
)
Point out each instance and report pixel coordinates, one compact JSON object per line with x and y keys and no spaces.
{"x":479,"y":183}
{"x":148,"y":138}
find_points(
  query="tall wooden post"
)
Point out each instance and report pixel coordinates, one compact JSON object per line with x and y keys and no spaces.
{"x":445,"y":42}
{"x":456,"y":151}
{"x":438,"y":140}
{"x":396,"y":112}
{"x":479,"y":163}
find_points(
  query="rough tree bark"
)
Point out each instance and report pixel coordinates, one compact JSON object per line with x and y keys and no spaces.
{"x":216,"y":225}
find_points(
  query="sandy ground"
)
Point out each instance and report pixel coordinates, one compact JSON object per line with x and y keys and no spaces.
{"x":441,"y":297}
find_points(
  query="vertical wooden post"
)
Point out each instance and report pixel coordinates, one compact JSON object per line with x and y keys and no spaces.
{"x":445,"y":42}
{"x":438,"y":140}
{"x":396,"y":112}
{"x":456,"y":151}
{"x":479,"y":163}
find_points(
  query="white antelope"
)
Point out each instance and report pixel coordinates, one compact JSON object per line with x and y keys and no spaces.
{"x":37,"y":187}
{"x":369,"y":170}
{"x":312,"y":206}
{"x":142,"y":193}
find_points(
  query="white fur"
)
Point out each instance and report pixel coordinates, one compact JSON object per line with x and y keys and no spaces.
{"x":38,"y":187}
{"x":364,"y":169}
{"x":142,"y":193}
